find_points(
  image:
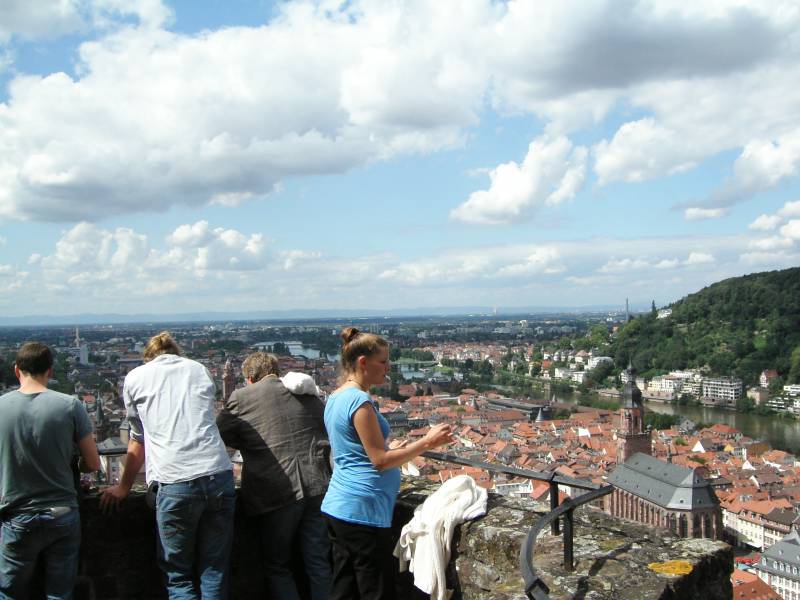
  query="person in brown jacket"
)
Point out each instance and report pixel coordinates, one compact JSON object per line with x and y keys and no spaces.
{"x":285,"y":473}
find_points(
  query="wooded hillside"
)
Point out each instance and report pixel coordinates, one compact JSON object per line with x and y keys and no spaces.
{"x":739,"y":326}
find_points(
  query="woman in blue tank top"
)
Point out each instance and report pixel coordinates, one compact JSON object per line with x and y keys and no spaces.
{"x":360,"y":500}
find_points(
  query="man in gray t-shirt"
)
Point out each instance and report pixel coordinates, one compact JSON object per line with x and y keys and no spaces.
{"x":39,"y":429}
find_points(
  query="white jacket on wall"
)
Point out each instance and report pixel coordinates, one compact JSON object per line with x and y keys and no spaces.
{"x":424,"y":544}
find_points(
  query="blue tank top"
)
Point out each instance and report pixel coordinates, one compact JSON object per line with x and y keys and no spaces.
{"x":358,"y":492}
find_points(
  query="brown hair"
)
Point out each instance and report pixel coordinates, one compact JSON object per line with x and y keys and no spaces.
{"x":34,"y":358}
{"x":258,"y":365}
{"x":356,"y":343}
{"x":161,"y":343}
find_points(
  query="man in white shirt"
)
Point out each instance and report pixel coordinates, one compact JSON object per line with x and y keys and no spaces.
{"x":170,"y":403}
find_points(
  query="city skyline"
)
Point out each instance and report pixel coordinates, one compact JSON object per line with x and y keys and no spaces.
{"x":181,"y":157}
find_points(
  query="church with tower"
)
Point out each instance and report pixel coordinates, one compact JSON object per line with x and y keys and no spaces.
{"x":651,"y":491}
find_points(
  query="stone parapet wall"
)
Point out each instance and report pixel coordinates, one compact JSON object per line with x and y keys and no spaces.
{"x":612,"y":556}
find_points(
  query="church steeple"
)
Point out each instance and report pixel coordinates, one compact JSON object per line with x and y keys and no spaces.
{"x":228,"y":380}
{"x":631,"y":435}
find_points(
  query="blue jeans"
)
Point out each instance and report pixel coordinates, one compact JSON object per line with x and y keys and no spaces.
{"x":39,"y":536}
{"x":195,"y":530}
{"x":301,"y":520}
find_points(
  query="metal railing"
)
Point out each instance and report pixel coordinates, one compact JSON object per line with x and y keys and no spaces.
{"x":535,"y":587}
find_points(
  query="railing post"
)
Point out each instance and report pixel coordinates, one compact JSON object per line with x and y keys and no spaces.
{"x":554,"y":505}
{"x":569,"y":563}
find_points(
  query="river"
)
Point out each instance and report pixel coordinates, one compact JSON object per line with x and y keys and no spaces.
{"x":782,"y":434}
{"x":296,"y":349}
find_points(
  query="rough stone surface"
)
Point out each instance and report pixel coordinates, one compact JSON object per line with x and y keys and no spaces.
{"x":612,"y":556}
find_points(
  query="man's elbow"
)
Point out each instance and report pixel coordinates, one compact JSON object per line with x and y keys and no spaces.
{"x":90,"y":465}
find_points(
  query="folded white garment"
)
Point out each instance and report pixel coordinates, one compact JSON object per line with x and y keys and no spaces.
{"x":424,"y":544}
{"x":300,"y":383}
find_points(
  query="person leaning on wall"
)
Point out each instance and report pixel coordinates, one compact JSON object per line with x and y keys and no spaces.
{"x":282,"y":439}
{"x":361,"y":496}
{"x":170,"y":404}
{"x":39,"y":429}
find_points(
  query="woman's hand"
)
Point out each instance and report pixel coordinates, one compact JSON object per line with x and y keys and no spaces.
{"x":438,"y":435}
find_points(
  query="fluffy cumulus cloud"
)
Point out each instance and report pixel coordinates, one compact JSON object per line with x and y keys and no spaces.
{"x":154,"y":118}
{"x":50,"y":18}
{"x":779,"y":245}
{"x":199,"y":266}
{"x":88,"y":259}
{"x":552,"y":172}
{"x":646,"y":263}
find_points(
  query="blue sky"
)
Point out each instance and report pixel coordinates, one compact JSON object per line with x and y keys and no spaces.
{"x":183,"y":156}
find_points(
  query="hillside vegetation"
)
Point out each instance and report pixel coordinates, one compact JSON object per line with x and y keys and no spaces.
{"x":739,"y":326}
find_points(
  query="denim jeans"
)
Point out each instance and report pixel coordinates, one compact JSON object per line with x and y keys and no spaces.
{"x":301,"y":521}
{"x":195,"y":530}
{"x":39,"y":536}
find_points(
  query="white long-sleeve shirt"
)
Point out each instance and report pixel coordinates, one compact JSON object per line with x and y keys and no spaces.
{"x":170,"y":402}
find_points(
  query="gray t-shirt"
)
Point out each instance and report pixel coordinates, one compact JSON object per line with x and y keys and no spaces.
{"x":38,"y":433}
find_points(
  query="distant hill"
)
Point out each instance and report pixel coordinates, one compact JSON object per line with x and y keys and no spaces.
{"x":738,"y":326}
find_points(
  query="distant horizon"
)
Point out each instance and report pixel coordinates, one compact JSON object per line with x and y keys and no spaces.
{"x":310,"y":314}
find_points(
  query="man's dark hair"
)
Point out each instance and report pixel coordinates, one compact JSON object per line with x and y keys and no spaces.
{"x":34,"y":358}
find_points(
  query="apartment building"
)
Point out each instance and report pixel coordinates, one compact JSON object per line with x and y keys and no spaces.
{"x":722,"y":391}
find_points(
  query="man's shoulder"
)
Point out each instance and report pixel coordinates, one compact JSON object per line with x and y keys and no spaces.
{"x":269,"y":387}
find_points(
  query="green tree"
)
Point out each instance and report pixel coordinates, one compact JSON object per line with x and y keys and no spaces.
{"x":776,"y":386}
{"x":794,"y":366}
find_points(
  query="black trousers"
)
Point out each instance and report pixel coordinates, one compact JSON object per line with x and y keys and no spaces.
{"x":363,"y":565}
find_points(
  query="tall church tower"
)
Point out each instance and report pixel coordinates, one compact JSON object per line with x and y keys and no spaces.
{"x":101,"y":424}
{"x":631,"y":435}
{"x":228,"y":380}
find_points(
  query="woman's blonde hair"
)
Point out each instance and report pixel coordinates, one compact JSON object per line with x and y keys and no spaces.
{"x":356,"y":343}
{"x":161,"y":343}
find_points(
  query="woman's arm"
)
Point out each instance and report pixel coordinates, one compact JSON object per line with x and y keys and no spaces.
{"x":369,"y":431}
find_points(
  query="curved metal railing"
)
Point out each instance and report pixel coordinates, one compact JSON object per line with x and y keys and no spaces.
{"x":535,"y":587}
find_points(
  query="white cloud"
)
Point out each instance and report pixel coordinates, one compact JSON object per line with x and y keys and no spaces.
{"x":552,"y":172}
{"x":194,"y":235}
{"x":543,"y":260}
{"x":642,"y":150}
{"x":156,"y":118}
{"x":88,"y":257}
{"x":699,"y":258}
{"x":667,"y":263}
{"x":51,"y":18}
{"x":293,"y":258}
{"x":625,"y":264}
{"x":697,"y":213}
{"x":765,"y":222}
{"x":222,"y":116}
{"x":770,"y":243}
{"x":790,"y":209}
{"x":791,"y":230}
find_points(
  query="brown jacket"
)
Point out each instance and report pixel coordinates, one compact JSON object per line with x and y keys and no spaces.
{"x":283,"y":443}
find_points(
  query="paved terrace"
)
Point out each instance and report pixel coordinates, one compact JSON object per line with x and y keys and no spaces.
{"x":613,"y":558}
